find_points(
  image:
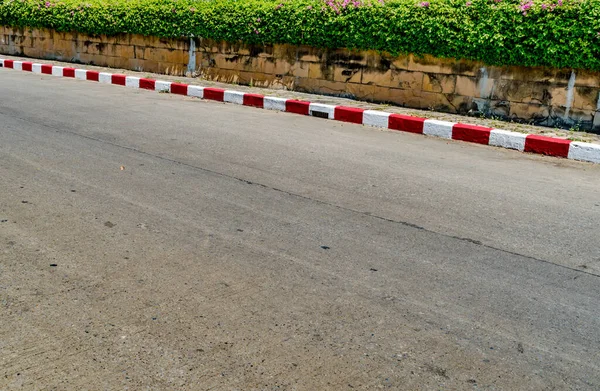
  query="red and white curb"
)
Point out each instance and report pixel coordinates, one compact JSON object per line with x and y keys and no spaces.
{"x":449,"y":130}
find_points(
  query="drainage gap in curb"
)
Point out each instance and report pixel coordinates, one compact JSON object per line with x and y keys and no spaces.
{"x":320,"y":114}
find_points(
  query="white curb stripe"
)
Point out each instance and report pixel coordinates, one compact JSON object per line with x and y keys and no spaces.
{"x":272,"y":103}
{"x":81,"y":74}
{"x":162,"y":86}
{"x":584,"y":151}
{"x":132,"y":82}
{"x":437,"y":128}
{"x":57,"y":71}
{"x":506,"y":139}
{"x":18,"y":65}
{"x":329,"y":110}
{"x":36,"y":68}
{"x":376,"y":118}
{"x":105,"y":78}
{"x":233,"y":97}
{"x":196,"y":91}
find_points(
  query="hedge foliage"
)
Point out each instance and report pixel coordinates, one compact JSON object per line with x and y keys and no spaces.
{"x":561,"y":33}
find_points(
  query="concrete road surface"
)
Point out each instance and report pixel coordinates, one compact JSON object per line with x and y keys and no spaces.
{"x":157,"y":242}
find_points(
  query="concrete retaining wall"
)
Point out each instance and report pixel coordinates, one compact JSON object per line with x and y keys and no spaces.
{"x":544,"y":96}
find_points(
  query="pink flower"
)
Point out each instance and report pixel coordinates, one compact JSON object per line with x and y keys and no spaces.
{"x":333,"y":6}
{"x":424,"y":4}
{"x":256,"y":31}
{"x":469,"y":3}
{"x":544,"y":6}
{"x":339,"y":5}
{"x":525,"y":6}
{"x":48,"y":4}
{"x":279,"y":6}
{"x":258,"y":20}
{"x":309,"y":7}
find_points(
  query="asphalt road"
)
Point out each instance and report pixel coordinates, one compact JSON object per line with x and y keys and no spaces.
{"x":157,"y":242}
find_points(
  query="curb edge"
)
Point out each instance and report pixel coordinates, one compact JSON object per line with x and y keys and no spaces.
{"x":531,"y":143}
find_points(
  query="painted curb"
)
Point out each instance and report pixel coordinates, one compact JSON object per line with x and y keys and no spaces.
{"x":449,"y":130}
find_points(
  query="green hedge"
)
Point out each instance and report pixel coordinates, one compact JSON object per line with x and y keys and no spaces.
{"x":498,"y":32}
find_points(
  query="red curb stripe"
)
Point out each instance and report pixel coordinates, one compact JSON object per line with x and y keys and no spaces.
{"x":348,"y":114}
{"x":27,"y":66}
{"x":9,"y":64}
{"x":406,"y":123}
{"x":147,"y":84}
{"x":92,"y":75}
{"x":471,"y":133}
{"x":118,"y":79}
{"x":214,"y":94}
{"x":547,"y":145}
{"x":68,"y":72}
{"x":46,"y":69}
{"x":254,"y":100}
{"x":297,"y":106}
{"x":179,"y":88}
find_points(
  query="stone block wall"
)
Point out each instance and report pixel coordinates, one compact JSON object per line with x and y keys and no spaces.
{"x":543,"y":96}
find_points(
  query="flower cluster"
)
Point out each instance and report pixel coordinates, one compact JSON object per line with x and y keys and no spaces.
{"x":339,"y":5}
{"x":551,"y":7}
{"x":526,"y":5}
